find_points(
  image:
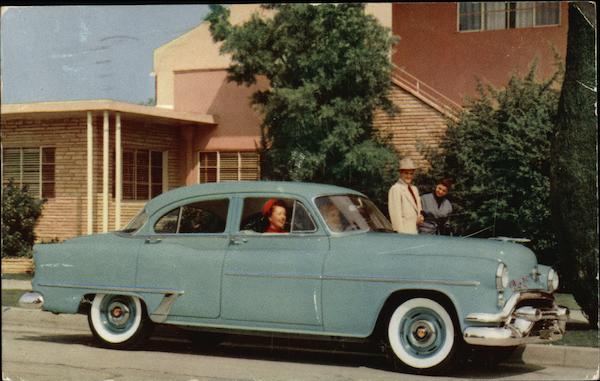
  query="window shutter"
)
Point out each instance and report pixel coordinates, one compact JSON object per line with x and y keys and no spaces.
{"x":156,"y":173}
{"x":142,"y":174}
{"x":31,"y":170}
{"x":228,"y":166}
{"x":208,"y":167}
{"x":128,"y":175}
{"x":48,"y":172}
{"x":250,"y":166}
{"x":11,"y":166}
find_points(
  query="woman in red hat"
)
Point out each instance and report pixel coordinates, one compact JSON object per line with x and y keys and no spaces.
{"x":275,"y":212}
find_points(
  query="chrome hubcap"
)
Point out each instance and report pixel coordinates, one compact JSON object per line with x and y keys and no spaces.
{"x":118,"y":314}
{"x":423,"y":333}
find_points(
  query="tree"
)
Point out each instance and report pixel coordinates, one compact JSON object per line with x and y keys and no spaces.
{"x":574,"y":160}
{"x":329,"y":68}
{"x":498,"y":153}
{"x":20,"y":212}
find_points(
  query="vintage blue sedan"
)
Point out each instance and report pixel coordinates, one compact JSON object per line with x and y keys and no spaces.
{"x":298,"y":258}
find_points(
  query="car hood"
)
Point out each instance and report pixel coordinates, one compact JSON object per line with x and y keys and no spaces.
{"x":515,"y":256}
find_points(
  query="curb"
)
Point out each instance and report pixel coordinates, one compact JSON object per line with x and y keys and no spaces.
{"x":537,"y":354}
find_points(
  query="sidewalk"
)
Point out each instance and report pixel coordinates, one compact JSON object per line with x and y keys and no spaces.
{"x":539,"y":354}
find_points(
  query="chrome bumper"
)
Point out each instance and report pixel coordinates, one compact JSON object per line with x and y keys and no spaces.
{"x":31,"y":300}
{"x":524,"y":325}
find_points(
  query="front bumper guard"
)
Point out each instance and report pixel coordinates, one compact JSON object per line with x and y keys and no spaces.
{"x":31,"y":300}
{"x":516,"y":326}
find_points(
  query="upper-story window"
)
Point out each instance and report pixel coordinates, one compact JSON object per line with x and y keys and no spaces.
{"x":507,"y":15}
{"x":215,"y":167}
{"x":34,"y":167}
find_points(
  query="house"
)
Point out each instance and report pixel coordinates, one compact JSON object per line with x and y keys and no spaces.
{"x":97,"y":162}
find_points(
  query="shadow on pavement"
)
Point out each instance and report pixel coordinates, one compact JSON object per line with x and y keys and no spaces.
{"x":347,"y":354}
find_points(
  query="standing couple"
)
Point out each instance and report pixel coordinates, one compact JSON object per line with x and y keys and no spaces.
{"x":413,"y":214}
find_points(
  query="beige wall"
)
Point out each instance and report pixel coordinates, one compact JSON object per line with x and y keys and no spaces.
{"x":195,"y":50}
{"x":65,"y":215}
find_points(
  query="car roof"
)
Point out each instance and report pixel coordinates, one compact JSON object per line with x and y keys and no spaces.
{"x":308,"y":190}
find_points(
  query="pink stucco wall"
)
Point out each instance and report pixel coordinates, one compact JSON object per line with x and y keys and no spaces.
{"x":208,"y":92}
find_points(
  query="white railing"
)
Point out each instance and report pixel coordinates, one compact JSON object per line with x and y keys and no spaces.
{"x":424,"y":90}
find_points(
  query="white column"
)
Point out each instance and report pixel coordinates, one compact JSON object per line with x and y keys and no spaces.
{"x":90,"y":174}
{"x":105,"y":174}
{"x":118,"y":172}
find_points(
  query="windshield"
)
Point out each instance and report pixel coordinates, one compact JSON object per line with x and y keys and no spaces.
{"x":346,"y":213}
{"x":136,"y":222}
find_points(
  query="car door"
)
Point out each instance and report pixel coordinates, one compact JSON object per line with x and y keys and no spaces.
{"x":186,"y":252}
{"x":273,"y":277}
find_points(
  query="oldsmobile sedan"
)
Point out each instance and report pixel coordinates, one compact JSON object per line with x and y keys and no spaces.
{"x":298,"y":258}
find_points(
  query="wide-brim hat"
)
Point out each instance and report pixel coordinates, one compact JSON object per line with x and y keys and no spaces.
{"x":407,"y":163}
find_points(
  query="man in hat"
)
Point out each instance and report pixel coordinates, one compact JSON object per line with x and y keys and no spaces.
{"x":404,"y":203}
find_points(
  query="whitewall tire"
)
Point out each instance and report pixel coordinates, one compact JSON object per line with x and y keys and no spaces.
{"x":421,"y":335}
{"x":118,"y":321}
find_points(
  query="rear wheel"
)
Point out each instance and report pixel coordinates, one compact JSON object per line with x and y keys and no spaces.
{"x":421,"y":336}
{"x":118,"y":321}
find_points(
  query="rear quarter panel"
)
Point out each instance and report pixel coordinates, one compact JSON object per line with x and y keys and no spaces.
{"x":67,"y":271}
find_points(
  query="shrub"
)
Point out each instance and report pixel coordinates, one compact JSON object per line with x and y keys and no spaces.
{"x":20,"y":212}
{"x":498,"y":153}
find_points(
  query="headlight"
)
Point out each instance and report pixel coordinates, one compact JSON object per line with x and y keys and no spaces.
{"x":501,"y":276}
{"x":552,"y":280}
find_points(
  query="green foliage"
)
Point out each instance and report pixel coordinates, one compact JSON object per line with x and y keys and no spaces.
{"x":574,"y":161}
{"x":329,"y":69}
{"x":498,"y":153}
{"x":20,"y":213}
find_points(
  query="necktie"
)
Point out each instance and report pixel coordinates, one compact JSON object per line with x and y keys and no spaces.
{"x":412,"y":194}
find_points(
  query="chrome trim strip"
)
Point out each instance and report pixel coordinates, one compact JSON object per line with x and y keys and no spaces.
{"x":150,"y":290}
{"x":357,"y":279}
{"x":162,"y":311}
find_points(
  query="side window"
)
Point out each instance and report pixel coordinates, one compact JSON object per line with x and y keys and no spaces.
{"x":199,"y":217}
{"x":302,"y":222}
{"x":275,"y":215}
{"x":167,"y":223}
{"x":204,"y":217}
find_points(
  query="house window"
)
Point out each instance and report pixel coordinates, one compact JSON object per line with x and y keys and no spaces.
{"x":34,"y":167}
{"x":228,"y":166}
{"x":142,"y":174}
{"x":473,"y":16}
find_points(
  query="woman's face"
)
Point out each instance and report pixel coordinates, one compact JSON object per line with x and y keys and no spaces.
{"x":278,"y":217}
{"x":407,"y":175}
{"x":441,"y":190}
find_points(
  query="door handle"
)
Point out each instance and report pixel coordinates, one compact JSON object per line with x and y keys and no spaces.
{"x":153,"y":240}
{"x":238,"y":241}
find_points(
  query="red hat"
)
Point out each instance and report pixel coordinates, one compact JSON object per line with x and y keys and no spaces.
{"x":267,"y":206}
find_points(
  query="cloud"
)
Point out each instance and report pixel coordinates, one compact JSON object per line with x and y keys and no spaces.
{"x":85,"y":32}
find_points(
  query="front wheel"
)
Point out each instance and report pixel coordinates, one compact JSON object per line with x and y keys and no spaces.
{"x":421,"y":336}
{"x":118,"y":321}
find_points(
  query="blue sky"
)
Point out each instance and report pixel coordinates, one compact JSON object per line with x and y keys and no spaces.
{"x":58,"y":53}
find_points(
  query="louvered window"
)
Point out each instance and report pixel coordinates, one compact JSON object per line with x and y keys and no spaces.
{"x":473,"y":16}
{"x":142,"y":174}
{"x":33,"y":167}
{"x":228,"y":166}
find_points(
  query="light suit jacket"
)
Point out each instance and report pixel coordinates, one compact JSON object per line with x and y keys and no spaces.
{"x":402,"y":207}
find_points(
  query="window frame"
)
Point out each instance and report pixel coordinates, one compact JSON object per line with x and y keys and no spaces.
{"x":217,"y":167}
{"x":41,"y":163}
{"x":180,"y":205}
{"x":134,"y":183}
{"x":295,"y":199}
{"x":507,"y":11}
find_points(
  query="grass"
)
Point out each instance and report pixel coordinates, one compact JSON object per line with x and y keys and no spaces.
{"x":579,"y":338}
{"x":10,"y":298}
{"x":17,"y":276}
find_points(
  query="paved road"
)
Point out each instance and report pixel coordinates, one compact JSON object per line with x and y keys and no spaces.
{"x":55,"y":349}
